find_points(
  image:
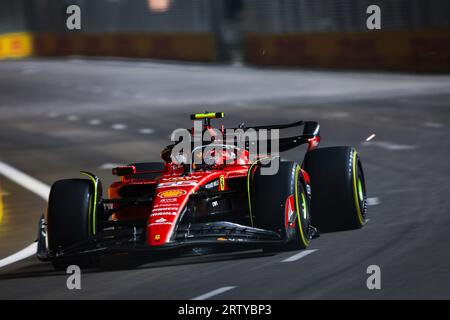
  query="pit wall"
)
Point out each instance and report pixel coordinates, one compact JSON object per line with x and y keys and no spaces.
{"x":181,"y":46}
{"x":407,"y":51}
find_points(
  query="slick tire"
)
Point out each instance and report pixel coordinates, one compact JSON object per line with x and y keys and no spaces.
{"x":338,"y":190}
{"x":70,"y":218}
{"x":281,"y":204}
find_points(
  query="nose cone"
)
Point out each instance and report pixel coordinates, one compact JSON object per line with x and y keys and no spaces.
{"x":167,"y":206}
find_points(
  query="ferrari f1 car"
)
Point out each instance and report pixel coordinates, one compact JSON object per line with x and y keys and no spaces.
{"x":228,"y":200}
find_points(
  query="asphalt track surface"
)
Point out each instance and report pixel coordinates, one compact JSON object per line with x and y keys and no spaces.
{"x":60,"y":116}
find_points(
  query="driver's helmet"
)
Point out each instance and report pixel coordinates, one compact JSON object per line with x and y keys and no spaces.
{"x":213,"y":156}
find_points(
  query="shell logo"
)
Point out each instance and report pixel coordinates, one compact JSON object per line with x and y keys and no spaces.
{"x":171,"y":193}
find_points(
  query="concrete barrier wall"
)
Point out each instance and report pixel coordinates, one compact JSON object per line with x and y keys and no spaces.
{"x":410,"y":51}
{"x":174,"y":46}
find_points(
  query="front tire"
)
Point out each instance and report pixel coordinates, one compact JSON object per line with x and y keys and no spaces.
{"x":281,"y":204}
{"x":338,"y":190}
{"x":70,"y":218}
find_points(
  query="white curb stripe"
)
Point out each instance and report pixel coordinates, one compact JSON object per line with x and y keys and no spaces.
{"x":33,"y":185}
{"x":24,"y":180}
{"x":373,"y":201}
{"x":22,"y":254}
{"x":299,"y":255}
{"x":213,"y":293}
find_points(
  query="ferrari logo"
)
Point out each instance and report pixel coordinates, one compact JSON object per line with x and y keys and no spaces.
{"x":171,"y":193}
{"x":222,"y":183}
{"x":157,"y":236}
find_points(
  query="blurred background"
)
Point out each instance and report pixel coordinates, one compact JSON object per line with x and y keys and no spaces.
{"x":414,"y":34}
{"x":112,"y":93}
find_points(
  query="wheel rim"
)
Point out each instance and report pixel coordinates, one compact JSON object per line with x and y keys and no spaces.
{"x":304,"y":207}
{"x":360,"y":190}
{"x":302,"y":210}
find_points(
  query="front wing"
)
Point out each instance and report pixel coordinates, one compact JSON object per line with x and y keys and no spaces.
{"x":130,"y":237}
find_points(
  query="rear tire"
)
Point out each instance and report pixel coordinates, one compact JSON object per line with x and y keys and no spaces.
{"x":338,"y":191}
{"x":69,"y":218}
{"x":281,"y":204}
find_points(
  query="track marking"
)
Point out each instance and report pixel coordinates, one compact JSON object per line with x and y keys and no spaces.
{"x":336,"y":115}
{"x":146,"y":131}
{"x":22,"y":254}
{"x":374,"y":201}
{"x":73,"y":118}
{"x":213,"y":293}
{"x":299,"y":255}
{"x":119,"y":126}
{"x":33,"y":185}
{"x":435,"y":125}
{"x":388,"y":145}
{"x":95,"y":122}
{"x":24,"y":180}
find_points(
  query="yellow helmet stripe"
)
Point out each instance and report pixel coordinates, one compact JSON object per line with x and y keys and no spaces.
{"x":211,"y":115}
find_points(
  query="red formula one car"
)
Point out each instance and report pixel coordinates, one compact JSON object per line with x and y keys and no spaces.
{"x":216,"y":194}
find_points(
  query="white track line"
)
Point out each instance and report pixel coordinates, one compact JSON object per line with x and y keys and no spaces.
{"x":374,"y":201}
{"x":22,"y":254}
{"x":95,"y":122}
{"x":213,"y":293}
{"x":73,"y":118}
{"x":299,"y":255}
{"x":24,"y":180}
{"x":33,"y":185}
{"x":146,"y":131}
{"x":119,"y":126}
{"x":435,"y":125}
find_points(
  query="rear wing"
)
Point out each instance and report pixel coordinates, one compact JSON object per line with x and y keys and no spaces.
{"x":310,"y":134}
